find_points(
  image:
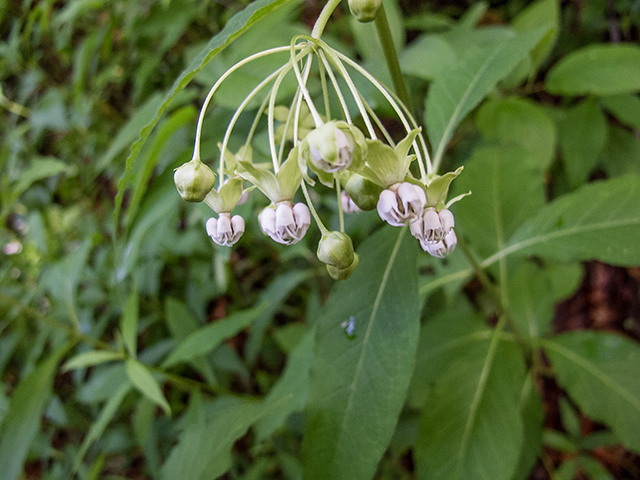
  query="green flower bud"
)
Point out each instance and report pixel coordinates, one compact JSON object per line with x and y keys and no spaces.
{"x":336,"y":249}
{"x":343,"y":273}
{"x":363,"y":192}
{"x":364,"y":10}
{"x":194,"y":180}
{"x":334,"y":147}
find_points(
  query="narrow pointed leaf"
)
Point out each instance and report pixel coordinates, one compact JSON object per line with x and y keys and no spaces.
{"x":146,"y":384}
{"x":129,"y":324}
{"x":601,"y":373}
{"x":91,"y":358}
{"x":358,"y":385}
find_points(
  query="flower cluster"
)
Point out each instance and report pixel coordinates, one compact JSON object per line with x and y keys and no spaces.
{"x":307,"y":146}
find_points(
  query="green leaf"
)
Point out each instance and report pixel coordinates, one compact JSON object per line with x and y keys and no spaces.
{"x":22,"y":420}
{"x":625,"y":108}
{"x":289,"y":176}
{"x":599,"y":221}
{"x":262,"y":178}
{"x":507,"y":188}
{"x":129,"y":323}
{"x":209,"y":337}
{"x":621,"y":153}
{"x":519,"y":121}
{"x":427,"y":57}
{"x":91,"y":358}
{"x":235,"y":27}
{"x":358,"y":385}
{"x":293,"y":387}
{"x":604,"y":69}
{"x":459,"y":88}
{"x":601,"y":373}
{"x":583,"y":133}
{"x":39,"y":169}
{"x":542,"y":13}
{"x":204,"y":449}
{"x":470,"y":425}
{"x":532,"y":414}
{"x":98,"y":427}
{"x":146,"y":384}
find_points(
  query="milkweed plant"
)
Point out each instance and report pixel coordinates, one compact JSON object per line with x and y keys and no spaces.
{"x":404,"y":244}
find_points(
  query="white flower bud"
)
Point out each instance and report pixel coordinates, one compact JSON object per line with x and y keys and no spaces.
{"x":225,"y":230}
{"x":442,"y":248}
{"x":285,"y":224}
{"x":400,"y":203}
{"x":432,"y":226}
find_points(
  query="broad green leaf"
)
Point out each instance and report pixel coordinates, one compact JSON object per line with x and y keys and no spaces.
{"x":427,"y":57}
{"x":293,"y":386}
{"x":542,"y":13}
{"x":582,"y":133}
{"x":91,"y":358}
{"x":22,"y":420}
{"x":599,"y":221}
{"x":507,"y":188}
{"x":129,"y":323}
{"x":235,"y":27}
{"x":98,"y":427}
{"x":599,"y":69}
{"x":621,"y":153}
{"x":209,"y":337}
{"x":519,"y":121}
{"x":443,"y":338}
{"x":601,"y":373}
{"x":358,"y":385}
{"x":459,"y":88}
{"x":204,"y":449}
{"x":470,"y":425}
{"x":142,"y":379}
{"x":624,"y":107}
{"x":532,"y":292}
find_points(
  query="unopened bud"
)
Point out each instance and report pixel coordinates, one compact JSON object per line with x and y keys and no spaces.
{"x":194,"y":180}
{"x":343,"y":273}
{"x":364,"y":10}
{"x":363,"y":192}
{"x":336,"y":249}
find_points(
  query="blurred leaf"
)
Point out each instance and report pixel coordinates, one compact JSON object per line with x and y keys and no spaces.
{"x":358,"y":385}
{"x":604,"y":69}
{"x":22,"y":421}
{"x":142,"y":379}
{"x":366,"y":34}
{"x":209,"y":337}
{"x":235,"y":27}
{"x":601,"y":373}
{"x":129,"y":323}
{"x":462,"y":86}
{"x":532,"y":415}
{"x":507,"y":188}
{"x":599,"y":221}
{"x":621,"y":154}
{"x":98,"y":427}
{"x":626,"y":108}
{"x":91,"y":358}
{"x":594,"y":469}
{"x":567,"y":470}
{"x":38,"y":169}
{"x":470,"y":426}
{"x":293,"y":385}
{"x":472,"y":16}
{"x":427,"y":57}
{"x":519,"y":121}
{"x":204,"y":449}
{"x":542,"y":13}
{"x":583,"y":133}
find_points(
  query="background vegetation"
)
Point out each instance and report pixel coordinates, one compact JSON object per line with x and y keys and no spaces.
{"x":133,"y":347}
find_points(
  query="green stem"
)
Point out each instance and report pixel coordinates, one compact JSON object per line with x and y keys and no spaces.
{"x":340,"y":212}
{"x":382,"y":25}
{"x":321,"y":226}
{"x":323,"y":18}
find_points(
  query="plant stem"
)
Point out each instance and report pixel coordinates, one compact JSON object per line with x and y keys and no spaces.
{"x":339,"y":194}
{"x":382,"y":25}
{"x":321,"y":226}
{"x":323,"y":18}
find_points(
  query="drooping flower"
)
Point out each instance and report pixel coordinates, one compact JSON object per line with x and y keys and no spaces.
{"x":225,"y":230}
{"x":442,"y":248}
{"x":432,"y":226}
{"x":348,"y":205}
{"x":285,"y":224}
{"x":400,"y":203}
{"x":194,"y":180}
